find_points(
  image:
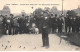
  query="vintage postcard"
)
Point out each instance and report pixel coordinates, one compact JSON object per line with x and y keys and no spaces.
{"x":39,"y":25}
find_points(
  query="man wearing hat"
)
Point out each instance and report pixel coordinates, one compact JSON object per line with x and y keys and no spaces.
{"x":45,"y":30}
{"x":60,"y":24}
{"x":10,"y":24}
{"x":54,"y":23}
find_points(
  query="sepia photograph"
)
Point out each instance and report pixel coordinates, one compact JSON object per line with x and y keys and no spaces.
{"x":39,"y":25}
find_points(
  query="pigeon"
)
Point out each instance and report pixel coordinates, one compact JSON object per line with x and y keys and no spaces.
{"x":10,"y":45}
{"x":8,"y":41}
{"x":20,"y":47}
{"x":5,"y":47}
{"x":2,"y":45}
{"x":34,"y":47}
{"x":24,"y":48}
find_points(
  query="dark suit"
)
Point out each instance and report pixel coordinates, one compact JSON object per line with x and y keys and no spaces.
{"x":45,"y":30}
{"x":21,"y":25}
{"x":73,"y":24}
{"x":10,"y":25}
{"x":67,"y":24}
{"x":59,"y":22}
{"x":4,"y":24}
{"x":53,"y":24}
{"x":77,"y":21}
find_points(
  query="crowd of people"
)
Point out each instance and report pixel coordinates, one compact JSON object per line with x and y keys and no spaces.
{"x":20,"y":25}
{"x":72,"y":24}
{"x":14,"y":25}
{"x":64,"y":24}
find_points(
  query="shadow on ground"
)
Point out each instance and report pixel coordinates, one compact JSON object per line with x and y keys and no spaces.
{"x":73,"y":38}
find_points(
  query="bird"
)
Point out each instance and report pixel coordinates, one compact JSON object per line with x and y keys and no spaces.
{"x":34,"y":47}
{"x":20,"y":47}
{"x":2,"y":45}
{"x":10,"y":45}
{"x":24,"y":48}
{"x":5,"y":47}
{"x":32,"y":7}
{"x":8,"y":41}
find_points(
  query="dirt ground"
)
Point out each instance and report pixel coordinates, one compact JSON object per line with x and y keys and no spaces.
{"x":31,"y":42}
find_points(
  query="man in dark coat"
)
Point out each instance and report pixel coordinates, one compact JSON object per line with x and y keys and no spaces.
{"x":27,"y":28}
{"x":77,"y":21}
{"x":54,"y":23}
{"x":21,"y":22}
{"x":67,"y":24}
{"x":73,"y":24}
{"x":60,"y":24}
{"x":10,"y":25}
{"x":26,"y":25}
{"x":16,"y":26}
{"x":4,"y":23}
{"x":45,"y":30}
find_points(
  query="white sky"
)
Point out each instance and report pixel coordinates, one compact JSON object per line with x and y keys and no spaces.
{"x":68,"y":4}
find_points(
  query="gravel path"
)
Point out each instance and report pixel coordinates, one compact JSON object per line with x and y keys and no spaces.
{"x":30,"y":42}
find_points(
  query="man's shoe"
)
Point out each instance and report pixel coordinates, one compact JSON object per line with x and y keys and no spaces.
{"x":47,"y":47}
{"x":42,"y":46}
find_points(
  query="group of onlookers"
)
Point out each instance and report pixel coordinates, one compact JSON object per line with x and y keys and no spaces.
{"x":20,"y":25}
